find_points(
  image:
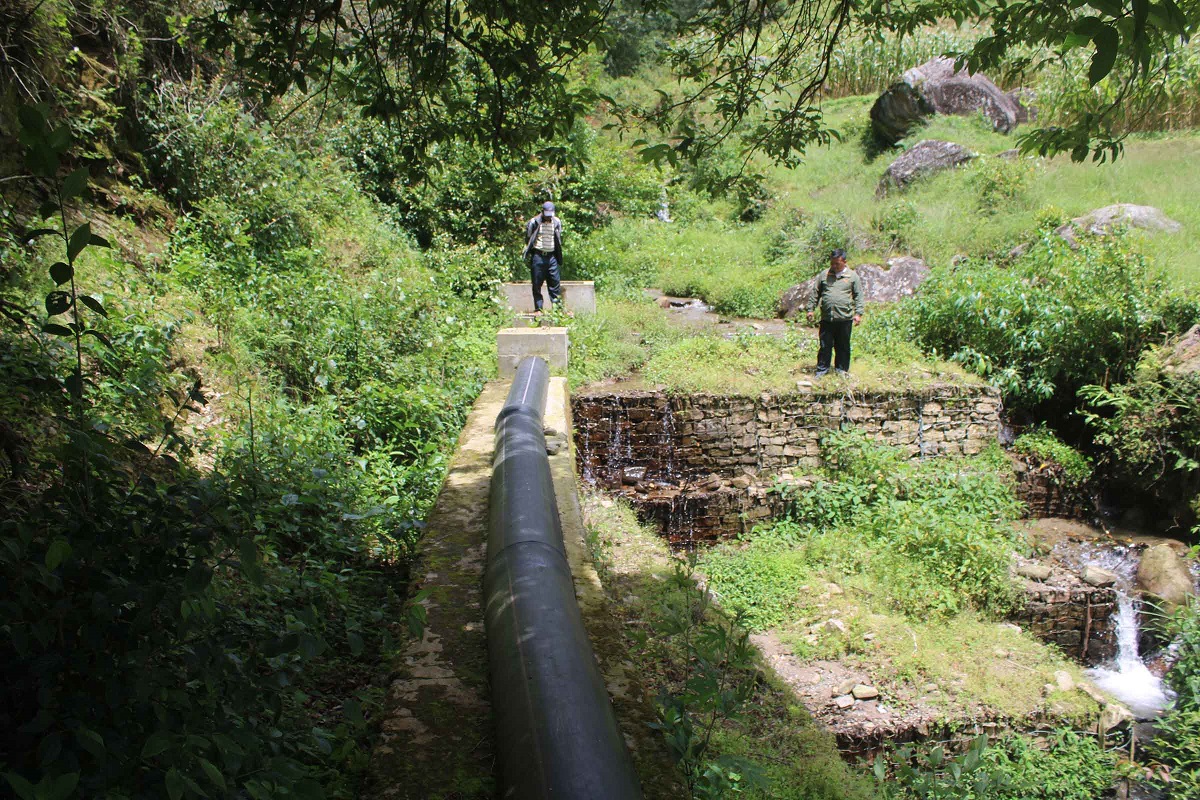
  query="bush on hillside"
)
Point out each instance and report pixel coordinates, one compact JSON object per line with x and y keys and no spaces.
{"x":1149,"y":431}
{"x":1056,"y":320}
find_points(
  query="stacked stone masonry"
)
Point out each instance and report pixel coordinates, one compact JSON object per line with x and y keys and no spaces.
{"x":1046,"y":493}
{"x":702,"y":464}
{"x":1078,"y":618}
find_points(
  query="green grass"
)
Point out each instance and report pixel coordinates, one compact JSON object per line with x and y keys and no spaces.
{"x":980,"y":210}
{"x":1157,"y":170}
{"x":798,"y":757}
{"x":627,"y":338}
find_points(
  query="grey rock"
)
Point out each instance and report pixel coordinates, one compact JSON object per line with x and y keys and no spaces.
{"x":1035,"y":572}
{"x":1009,"y":155}
{"x":899,"y":279}
{"x":936,"y":87}
{"x":845,"y":687}
{"x":1184,"y":358}
{"x":844,"y":702}
{"x":959,"y":92}
{"x":1103,"y":220}
{"x":1063,"y":681}
{"x":1097,"y":576}
{"x":896,"y":111}
{"x":1164,"y":575}
{"x":554,"y":447}
{"x":925,"y":158}
{"x":864,"y":692}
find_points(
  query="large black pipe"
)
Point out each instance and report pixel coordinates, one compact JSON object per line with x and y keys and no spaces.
{"x":557,"y":734}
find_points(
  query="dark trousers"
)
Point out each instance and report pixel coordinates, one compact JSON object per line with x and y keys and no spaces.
{"x":544,"y":269}
{"x":835,"y":336}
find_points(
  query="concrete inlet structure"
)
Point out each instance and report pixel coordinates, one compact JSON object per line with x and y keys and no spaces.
{"x":579,"y":297}
{"x":515,"y":344}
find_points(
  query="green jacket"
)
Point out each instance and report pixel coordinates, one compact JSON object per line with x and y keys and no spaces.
{"x":839,"y":297}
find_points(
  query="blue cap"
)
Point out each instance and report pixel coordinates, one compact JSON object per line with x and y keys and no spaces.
{"x":548,"y":208}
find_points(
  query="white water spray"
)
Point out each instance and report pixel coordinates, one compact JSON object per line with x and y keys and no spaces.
{"x":1128,"y":679}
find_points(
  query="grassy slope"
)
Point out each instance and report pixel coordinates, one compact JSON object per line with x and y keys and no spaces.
{"x":1161,"y":171}
{"x":732,"y":265}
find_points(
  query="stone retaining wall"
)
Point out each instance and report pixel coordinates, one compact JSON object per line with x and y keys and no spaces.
{"x":1045,"y":492}
{"x":1080,"y":619}
{"x":657,"y":437}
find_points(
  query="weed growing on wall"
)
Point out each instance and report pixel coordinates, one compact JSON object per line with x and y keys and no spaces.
{"x":1041,"y":443}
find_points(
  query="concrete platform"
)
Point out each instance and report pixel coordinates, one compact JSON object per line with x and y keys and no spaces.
{"x":514,"y":344}
{"x":578,"y":296}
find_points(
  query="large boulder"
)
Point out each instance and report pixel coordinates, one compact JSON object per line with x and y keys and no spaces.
{"x":924,"y":158}
{"x":880,"y":284}
{"x":1103,"y":220}
{"x":1164,"y":576}
{"x":951,"y":91}
{"x":896,"y":111}
{"x":936,"y":87}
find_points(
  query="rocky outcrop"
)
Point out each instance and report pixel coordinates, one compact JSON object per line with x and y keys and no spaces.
{"x":1103,"y":220}
{"x":936,"y":87}
{"x":880,"y":284}
{"x":925,"y":158}
{"x":1164,"y":576}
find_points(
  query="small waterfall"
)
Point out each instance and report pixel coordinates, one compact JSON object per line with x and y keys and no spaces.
{"x":668,"y":443}
{"x":1126,"y":678}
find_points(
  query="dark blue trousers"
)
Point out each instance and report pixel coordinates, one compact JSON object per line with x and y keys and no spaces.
{"x":544,"y":269}
{"x":835,"y":337}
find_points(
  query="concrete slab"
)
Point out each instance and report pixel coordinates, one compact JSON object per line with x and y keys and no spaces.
{"x":514,"y":344}
{"x":578,"y":296}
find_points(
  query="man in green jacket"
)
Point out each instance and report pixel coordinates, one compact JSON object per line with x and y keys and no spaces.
{"x":839,"y":296}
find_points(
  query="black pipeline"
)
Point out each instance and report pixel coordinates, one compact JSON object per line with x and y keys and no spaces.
{"x":557,"y":735}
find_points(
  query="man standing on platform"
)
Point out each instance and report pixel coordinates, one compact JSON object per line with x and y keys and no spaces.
{"x":543,"y":248}
{"x":839,"y":296}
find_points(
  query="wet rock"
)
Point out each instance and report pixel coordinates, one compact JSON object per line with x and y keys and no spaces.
{"x":1164,"y":576}
{"x":899,"y":278}
{"x":864,"y":692}
{"x":1097,"y":576}
{"x":1034,"y":572}
{"x":1114,"y":715}
{"x":923,"y":159}
{"x":1103,"y":220}
{"x":632,"y":476}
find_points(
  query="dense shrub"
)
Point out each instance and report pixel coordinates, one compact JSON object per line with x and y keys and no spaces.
{"x":1149,"y":429}
{"x":1177,"y":741}
{"x":1056,"y":320}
